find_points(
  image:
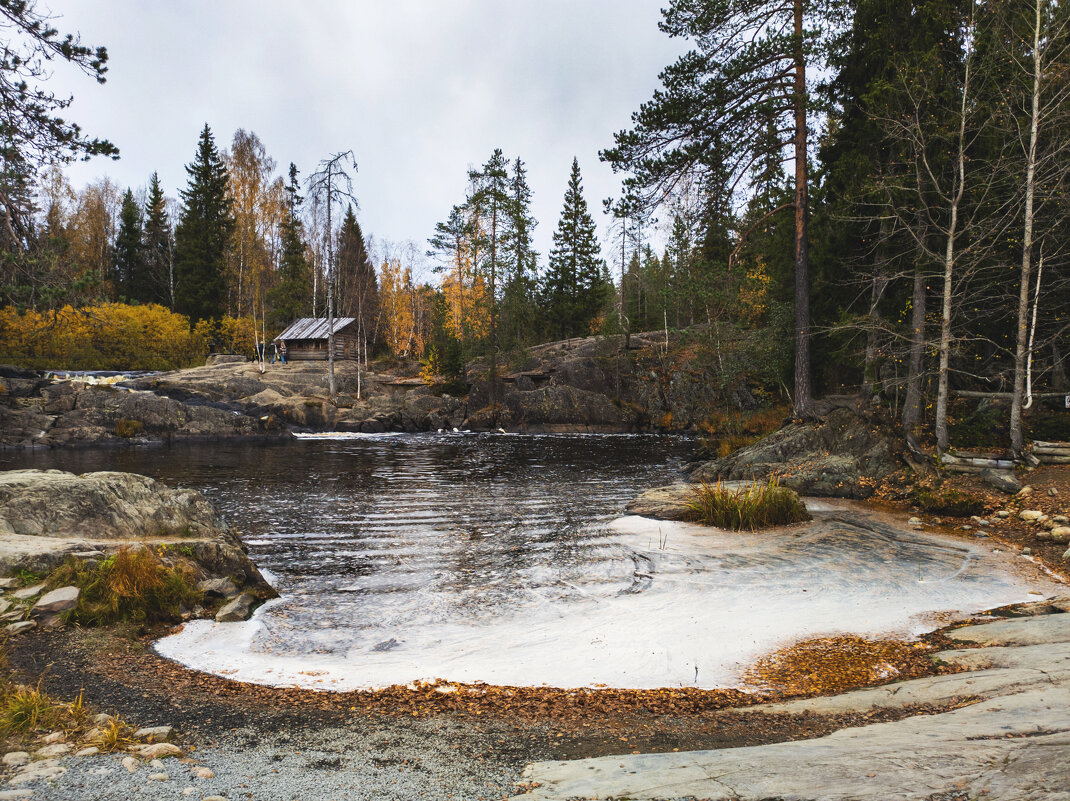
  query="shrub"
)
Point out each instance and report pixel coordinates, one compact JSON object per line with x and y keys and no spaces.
{"x":116,"y":735}
{"x":758,"y":505}
{"x":947,"y":502}
{"x":126,"y":428}
{"x":133,"y":585}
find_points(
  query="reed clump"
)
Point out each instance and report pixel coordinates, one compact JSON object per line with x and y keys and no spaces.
{"x":753,"y":507}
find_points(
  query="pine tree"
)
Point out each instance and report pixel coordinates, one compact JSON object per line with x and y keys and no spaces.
{"x":575,"y":288}
{"x":204,"y":227}
{"x":159,"y":247}
{"x":747,"y":72}
{"x":128,"y":255}
{"x":291,"y":297}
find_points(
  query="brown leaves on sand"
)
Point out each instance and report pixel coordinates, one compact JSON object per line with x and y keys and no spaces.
{"x":828,"y":665}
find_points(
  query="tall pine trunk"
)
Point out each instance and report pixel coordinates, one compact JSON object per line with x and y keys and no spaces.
{"x":803,"y":389}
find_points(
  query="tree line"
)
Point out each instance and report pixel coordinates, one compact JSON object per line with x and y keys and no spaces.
{"x":832,"y":195}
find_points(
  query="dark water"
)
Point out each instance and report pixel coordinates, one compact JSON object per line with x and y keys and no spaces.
{"x":469,"y":522}
{"x":500,"y":559}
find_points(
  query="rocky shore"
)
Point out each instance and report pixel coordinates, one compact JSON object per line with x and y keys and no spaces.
{"x":579,"y":385}
{"x":50,"y":518}
{"x":1001,"y":732}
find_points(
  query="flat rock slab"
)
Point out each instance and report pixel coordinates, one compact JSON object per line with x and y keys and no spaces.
{"x":1015,"y":751}
{"x":1012,"y":744}
{"x":1020,"y":631}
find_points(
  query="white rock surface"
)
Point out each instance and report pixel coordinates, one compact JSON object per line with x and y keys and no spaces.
{"x":1013,"y":745}
{"x":16,"y":758}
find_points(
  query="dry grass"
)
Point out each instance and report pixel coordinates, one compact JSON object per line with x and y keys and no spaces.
{"x":131,"y":586}
{"x":755,"y":506}
{"x":27,"y":709}
{"x":127,"y":428}
{"x":115,"y":736}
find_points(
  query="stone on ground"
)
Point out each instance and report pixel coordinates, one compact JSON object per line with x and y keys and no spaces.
{"x":1002,"y":480}
{"x":156,"y":750}
{"x":156,"y":733}
{"x":58,"y":600}
{"x":237,"y":610}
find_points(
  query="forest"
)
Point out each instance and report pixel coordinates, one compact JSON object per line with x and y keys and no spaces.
{"x":823,"y":197}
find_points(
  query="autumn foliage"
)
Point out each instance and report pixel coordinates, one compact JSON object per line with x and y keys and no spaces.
{"x":115,"y":336}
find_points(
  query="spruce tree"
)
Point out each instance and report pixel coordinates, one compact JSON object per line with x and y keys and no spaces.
{"x":291,"y":297}
{"x":575,"y":288}
{"x":519,"y":310}
{"x":204,"y":227}
{"x":358,"y":289}
{"x":128,"y":255}
{"x":159,"y":246}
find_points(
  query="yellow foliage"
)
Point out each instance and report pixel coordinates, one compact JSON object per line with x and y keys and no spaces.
{"x":753,"y":293}
{"x":405,"y":310}
{"x":467,"y":304}
{"x":229,"y":335}
{"x":111,"y":336}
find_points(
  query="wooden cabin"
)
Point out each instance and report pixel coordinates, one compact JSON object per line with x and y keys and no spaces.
{"x":306,"y":339}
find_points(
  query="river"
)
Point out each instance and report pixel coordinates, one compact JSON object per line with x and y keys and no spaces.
{"x":505,"y":559}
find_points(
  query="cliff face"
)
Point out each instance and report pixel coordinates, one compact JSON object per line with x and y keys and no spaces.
{"x":582,"y":385}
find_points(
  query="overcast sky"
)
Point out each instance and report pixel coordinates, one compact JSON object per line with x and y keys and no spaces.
{"x":418,"y":89}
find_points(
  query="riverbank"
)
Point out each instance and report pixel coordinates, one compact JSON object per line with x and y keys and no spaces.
{"x":433,"y":740}
{"x":586,"y":385}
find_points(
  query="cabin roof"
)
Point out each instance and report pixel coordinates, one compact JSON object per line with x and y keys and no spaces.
{"x":313,"y":327}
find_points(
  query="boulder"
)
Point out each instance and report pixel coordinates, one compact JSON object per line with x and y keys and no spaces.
{"x":219,"y":587}
{"x":1030,"y":515}
{"x":58,"y":600}
{"x":663,"y":503}
{"x":839,"y":456}
{"x":1060,"y":534}
{"x":102,"y":506}
{"x":1002,"y":480}
{"x":237,"y":610}
{"x":49,"y":516}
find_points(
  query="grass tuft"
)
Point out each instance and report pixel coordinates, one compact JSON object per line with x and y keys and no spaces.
{"x":116,"y":735}
{"x":131,"y":586}
{"x":127,"y":428}
{"x":751,"y":508}
{"x":26,"y":709}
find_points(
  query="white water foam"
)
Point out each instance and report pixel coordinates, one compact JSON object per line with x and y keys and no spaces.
{"x":684,"y":605}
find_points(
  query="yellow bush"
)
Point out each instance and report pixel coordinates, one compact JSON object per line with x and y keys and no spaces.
{"x":111,"y":336}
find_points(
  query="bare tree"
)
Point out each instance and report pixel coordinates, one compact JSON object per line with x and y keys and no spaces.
{"x":1048,"y":95}
{"x":332,"y":183}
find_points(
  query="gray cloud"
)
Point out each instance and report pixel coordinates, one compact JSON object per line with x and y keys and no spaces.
{"x":419,"y":90}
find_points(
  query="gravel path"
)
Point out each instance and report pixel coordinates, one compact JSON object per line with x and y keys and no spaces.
{"x":315,"y":765}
